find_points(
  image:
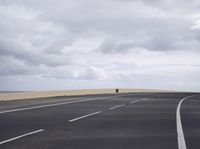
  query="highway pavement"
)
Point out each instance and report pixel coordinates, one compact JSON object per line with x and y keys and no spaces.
{"x":112,"y":121}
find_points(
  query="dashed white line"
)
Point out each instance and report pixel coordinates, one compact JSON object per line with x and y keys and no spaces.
{"x":55,"y":104}
{"x":144,"y":99}
{"x":81,"y":117}
{"x":180,"y":134}
{"x":134,"y":101}
{"x":21,"y":136}
{"x":138,"y":100}
{"x":116,"y":106}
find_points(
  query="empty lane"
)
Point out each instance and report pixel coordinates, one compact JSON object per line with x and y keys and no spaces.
{"x":139,"y":118}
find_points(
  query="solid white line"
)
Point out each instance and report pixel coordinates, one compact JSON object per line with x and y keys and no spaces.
{"x":116,"y":106}
{"x":56,"y":104}
{"x":40,"y":102}
{"x":180,"y":134}
{"x":21,"y":136}
{"x":81,"y":117}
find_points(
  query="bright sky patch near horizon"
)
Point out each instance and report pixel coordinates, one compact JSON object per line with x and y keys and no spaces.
{"x":76,"y":44}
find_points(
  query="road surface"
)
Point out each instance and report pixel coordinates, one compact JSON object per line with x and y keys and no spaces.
{"x":118,"y":121}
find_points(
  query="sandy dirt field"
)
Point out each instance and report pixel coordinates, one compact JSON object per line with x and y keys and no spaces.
{"x":39,"y":94}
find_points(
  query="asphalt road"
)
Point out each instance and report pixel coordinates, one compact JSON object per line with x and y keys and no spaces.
{"x":118,"y":121}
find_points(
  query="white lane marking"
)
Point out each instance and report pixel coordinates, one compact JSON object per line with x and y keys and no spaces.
{"x":56,"y":104}
{"x":81,"y":117}
{"x":134,"y":101}
{"x":180,"y":134}
{"x":116,"y":106}
{"x":34,"y":104}
{"x":40,"y":102}
{"x":21,"y":136}
{"x":144,"y":99}
{"x":138,"y":100}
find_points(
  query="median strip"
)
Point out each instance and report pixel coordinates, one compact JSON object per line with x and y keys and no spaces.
{"x":21,"y":136}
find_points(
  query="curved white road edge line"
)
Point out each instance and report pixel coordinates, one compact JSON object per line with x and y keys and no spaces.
{"x":180,"y":134}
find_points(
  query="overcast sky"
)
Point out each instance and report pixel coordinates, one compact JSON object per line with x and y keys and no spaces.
{"x":75,"y":44}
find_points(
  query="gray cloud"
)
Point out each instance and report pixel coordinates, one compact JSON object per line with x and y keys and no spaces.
{"x":108,"y":40}
{"x":115,"y":47}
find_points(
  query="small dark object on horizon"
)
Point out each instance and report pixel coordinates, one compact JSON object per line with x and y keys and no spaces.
{"x":117,"y":91}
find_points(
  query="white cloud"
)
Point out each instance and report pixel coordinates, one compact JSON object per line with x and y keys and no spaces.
{"x":93,"y":44}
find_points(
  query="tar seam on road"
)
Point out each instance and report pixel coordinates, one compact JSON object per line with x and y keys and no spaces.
{"x":116,"y":106}
{"x":81,"y":117}
{"x":21,"y":136}
{"x":180,"y":134}
{"x":56,"y":104}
